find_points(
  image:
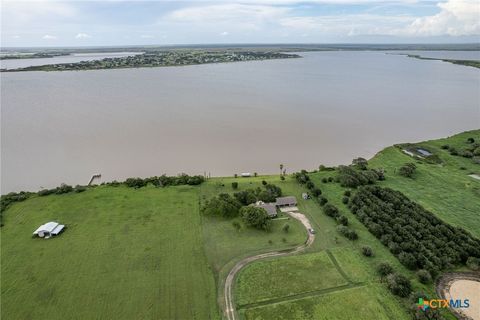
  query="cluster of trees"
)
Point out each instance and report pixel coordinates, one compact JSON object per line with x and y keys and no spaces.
{"x":162,"y":181}
{"x":471,"y":150}
{"x":408,"y":170}
{"x":238,"y":204}
{"x":352,"y":176}
{"x":415,"y":236}
{"x":269,"y":194}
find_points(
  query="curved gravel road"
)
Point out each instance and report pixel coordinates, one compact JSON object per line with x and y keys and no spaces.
{"x":229,"y":307}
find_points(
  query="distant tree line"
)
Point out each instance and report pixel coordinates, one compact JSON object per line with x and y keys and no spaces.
{"x":163,"y":181}
{"x":7,"y":199}
{"x":414,"y":235}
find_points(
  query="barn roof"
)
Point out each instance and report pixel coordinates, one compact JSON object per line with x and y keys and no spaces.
{"x":282,"y":201}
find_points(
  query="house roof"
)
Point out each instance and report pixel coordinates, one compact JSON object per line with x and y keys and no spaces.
{"x":271,"y":208}
{"x":50,"y":227}
{"x":290,"y":200}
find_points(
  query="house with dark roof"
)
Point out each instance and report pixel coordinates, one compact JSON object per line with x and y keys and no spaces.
{"x":271,"y":208}
{"x":289,"y":201}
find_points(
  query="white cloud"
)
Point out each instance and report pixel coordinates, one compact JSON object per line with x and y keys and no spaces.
{"x":49,"y":37}
{"x":82,"y":36}
{"x":224,"y":33}
{"x":456,"y":18}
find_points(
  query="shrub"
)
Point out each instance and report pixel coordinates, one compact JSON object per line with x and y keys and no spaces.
{"x":473,"y":263}
{"x":453,"y":151}
{"x":79,"y":188}
{"x":367,"y":251}
{"x":310,"y":185}
{"x":64,"y":188}
{"x":235,"y":175}
{"x":384,"y":269}
{"x":324,"y":180}
{"x":235,"y":185}
{"x":316,"y":192}
{"x":322,"y":200}
{"x":360,"y":163}
{"x":407,"y":170}
{"x":282,"y":178}
{"x":470,"y":140}
{"x":399,"y":285}
{"x":345,"y":200}
{"x":264,"y":182}
{"x":255,"y":174}
{"x":408,"y":260}
{"x":466,"y":154}
{"x":45,"y":192}
{"x":424,"y":276}
{"x":286,"y":228}
{"x":135,"y":183}
{"x":342,"y":220}
{"x":347,"y":193}
{"x":445,"y":147}
{"x":330,"y":210}
{"x":347,"y":232}
{"x":330,"y":179}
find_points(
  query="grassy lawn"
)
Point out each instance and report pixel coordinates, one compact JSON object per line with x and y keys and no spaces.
{"x":361,"y":303}
{"x":127,"y":254}
{"x":285,"y":276}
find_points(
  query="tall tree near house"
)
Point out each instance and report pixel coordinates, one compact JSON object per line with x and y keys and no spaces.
{"x":281,"y":169}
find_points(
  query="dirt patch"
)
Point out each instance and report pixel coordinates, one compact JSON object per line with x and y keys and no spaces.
{"x":461,"y":285}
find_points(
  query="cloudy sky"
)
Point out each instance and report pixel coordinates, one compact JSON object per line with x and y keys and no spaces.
{"x":117,"y":22}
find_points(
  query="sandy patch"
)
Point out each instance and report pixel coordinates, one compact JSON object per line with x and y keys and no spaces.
{"x":288,"y":209}
{"x":466,"y":289}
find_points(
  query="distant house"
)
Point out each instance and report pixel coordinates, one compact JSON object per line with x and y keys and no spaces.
{"x":246,"y":174}
{"x":271,"y":208}
{"x":49,"y":229}
{"x":286,"y":201}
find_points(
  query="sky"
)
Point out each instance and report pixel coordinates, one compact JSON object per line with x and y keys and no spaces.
{"x":117,"y":22}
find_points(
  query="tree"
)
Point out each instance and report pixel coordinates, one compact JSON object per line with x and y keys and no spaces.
{"x":286,"y":227}
{"x":399,"y":285}
{"x":407,"y":170}
{"x":330,"y":210}
{"x":345,"y":200}
{"x":360,"y":163}
{"x":408,"y":260}
{"x":322,"y":200}
{"x":367,"y":251}
{"x":424,"y":276}
{"x":316,"y":192}
{"x":255,"y":174}
{"x":235,"y":185}
{"x":246,"y":197}
{"x":384,"y":269}
{"x":473,"y":263}
{"x":282,"y":178}
{"x":264,"y":182}
{"x":342,"y":220}
{"x":255,"y":217}
{"x":281,"y":169}
{"x":470,"y":140}
{"x":224,"y":205}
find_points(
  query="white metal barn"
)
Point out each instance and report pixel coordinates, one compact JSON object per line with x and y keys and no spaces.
{"x":49,"y":229}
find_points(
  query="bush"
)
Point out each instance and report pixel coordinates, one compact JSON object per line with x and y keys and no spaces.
{"x":79,"y":188}
{"x":470,"y":140}
{"x":360,"y":163}
{"x":330,"y":210}
{"x":347,"y":232}
{"x":347,"y":193}
{"x":348,"y":177}
{"x":264,"y":182}
{"x":342,"y":220}
{"x":407,"y":170}
{"x":310,"y":185}
{"x":282,"y":178}
{"x":384,"y":269}
{"x":367,"y":251}
{"x":235,"y":185}
{"x":473,"y":263}
{"x":324,"y":180}
{"x":345,"y":200}
{"x":64,"y":188}
{"x":399,"y":285}
{"x":316,"y":192}
{"x":408,"y":260}
{"x":322,"y":200}
{"x":453,"y":151}
{"x":45,"y":192}
{"x":445,"y":147}
{"x":424,"y":276}
{"x":286,"y":228}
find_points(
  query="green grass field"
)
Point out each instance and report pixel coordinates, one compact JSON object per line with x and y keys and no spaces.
{"x":127,"y":254}
{"x":353,"y":303}
{"x":286,"y":276}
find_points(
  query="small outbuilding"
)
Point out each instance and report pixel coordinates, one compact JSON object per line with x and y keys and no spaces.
{"x":305,"y":196}
{"x":246,"y":174}
{"x":289,"y":201}
{"x":49,"y":229}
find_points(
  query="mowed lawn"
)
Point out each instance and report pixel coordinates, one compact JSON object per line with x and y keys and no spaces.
{"x":360,"y":303}
{"x":127,"y":254}
{"x":286,"y":276}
